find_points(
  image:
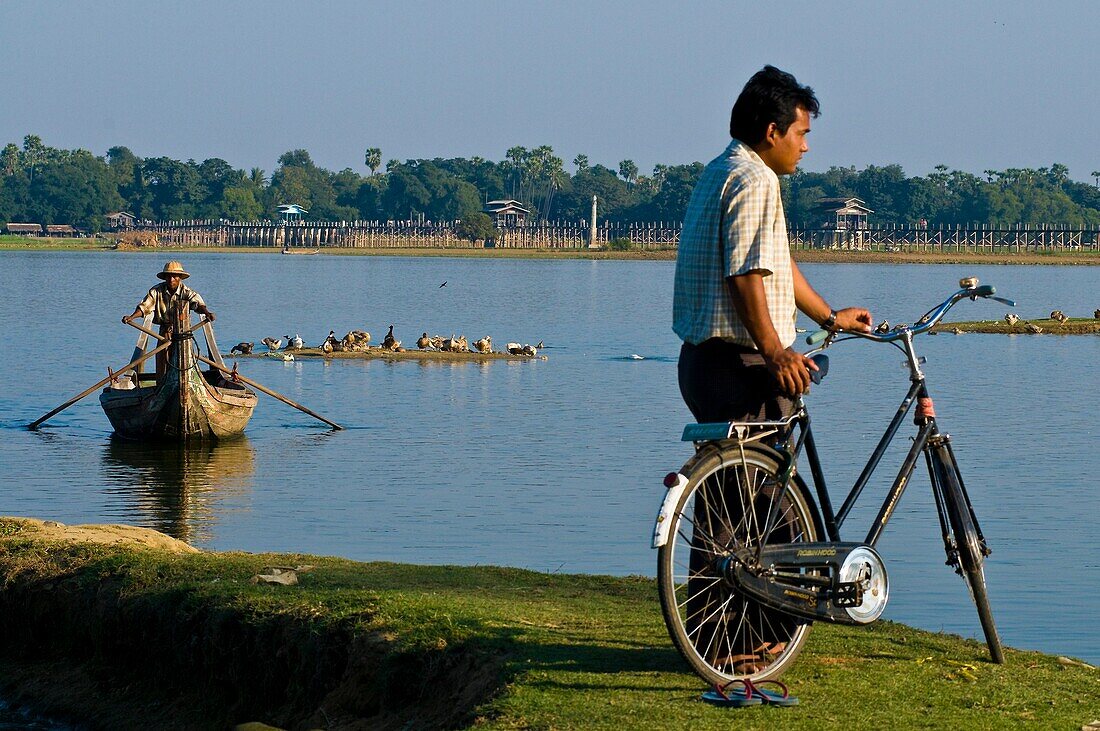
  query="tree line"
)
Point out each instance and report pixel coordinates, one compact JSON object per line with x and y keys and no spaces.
{"x":42,"y":184}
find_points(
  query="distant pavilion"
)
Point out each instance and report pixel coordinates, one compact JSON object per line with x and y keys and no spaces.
{"x":291,"y":212}
{"x":506,"y":213}
{"x":842,"y":213}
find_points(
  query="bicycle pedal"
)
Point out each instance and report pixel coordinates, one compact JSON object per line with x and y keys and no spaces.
{"x":847,"y":594}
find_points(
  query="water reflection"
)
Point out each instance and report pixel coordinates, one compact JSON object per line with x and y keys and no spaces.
{"x":177,"y":489}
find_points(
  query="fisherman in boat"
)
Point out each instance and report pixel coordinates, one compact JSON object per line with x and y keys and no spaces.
{"x":164,"y":301}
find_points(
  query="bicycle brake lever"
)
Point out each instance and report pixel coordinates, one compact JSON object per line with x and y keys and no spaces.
{"x":1002,"y":300}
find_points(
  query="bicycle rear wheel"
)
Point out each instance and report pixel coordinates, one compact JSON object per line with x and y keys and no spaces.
{"x":722,"y":634}
{"x":969,"y":546}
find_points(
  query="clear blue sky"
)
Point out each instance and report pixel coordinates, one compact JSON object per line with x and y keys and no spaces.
{"x":973,"y":85}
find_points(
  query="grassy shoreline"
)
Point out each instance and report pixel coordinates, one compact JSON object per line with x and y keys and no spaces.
{"x":128,"y":636}
{"x":1063,"y":258}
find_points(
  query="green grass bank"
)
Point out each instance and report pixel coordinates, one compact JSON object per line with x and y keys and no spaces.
{"x":123,"y":635}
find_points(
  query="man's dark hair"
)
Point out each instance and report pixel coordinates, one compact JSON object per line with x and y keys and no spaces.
{"x":770,"y":96}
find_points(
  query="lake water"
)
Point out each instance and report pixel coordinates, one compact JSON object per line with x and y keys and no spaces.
{"x":551,"y":465}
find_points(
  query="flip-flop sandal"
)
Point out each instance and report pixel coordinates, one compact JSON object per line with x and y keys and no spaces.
{"x":771,"y":697}
{"x":733,"y":697}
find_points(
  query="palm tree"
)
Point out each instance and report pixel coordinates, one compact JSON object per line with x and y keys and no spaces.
{"x":373,"y":159}
{"x":9,"y":159}
{"x":581,"y":161}
{"x":554,"y":178}
{"x":34,"y":152}
{"x":541,"y":170}
{"x":516,"y":165}
{"x":940,"y":176}
{"x":628,"y":171}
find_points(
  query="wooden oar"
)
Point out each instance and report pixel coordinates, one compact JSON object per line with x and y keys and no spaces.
{"x":132,"y":364}
{"x":163,"y":338}
{"x":268,"y":391}
{"x":147,"y":331}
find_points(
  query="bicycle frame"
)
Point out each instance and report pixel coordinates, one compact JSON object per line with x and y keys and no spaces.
{"x":928,"y":441}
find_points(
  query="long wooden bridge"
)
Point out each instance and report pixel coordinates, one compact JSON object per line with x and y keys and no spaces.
{"x":978,"y":238}
{"x":412,"y":234}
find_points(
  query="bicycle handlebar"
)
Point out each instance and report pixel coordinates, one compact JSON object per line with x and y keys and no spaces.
{"x":924,"y":324}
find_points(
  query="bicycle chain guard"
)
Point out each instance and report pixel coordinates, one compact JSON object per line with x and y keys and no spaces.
{"x":842,"y":583}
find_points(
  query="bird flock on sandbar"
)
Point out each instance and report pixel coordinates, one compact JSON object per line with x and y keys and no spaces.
{"x":1013,"y":319}
{"x":1056,"y":316}
{"x":359,"y":341}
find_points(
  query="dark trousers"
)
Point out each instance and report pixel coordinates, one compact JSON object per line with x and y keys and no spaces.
{"x":720,"y":381}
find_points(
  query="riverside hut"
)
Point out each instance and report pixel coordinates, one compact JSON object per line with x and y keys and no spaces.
{"x":61,"y":231}
{"x":120,"y":220}
{"x":25,"y":229}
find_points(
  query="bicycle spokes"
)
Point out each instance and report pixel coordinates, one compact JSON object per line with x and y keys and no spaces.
{"x":733,"y":509}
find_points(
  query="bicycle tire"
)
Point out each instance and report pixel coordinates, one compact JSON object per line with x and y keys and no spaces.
{"x":733,"y":626}
{"x":971,"y":557}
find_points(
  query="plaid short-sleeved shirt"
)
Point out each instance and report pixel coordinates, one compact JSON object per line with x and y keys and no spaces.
{"x":734,"y":225}
{"x":164,"y":303}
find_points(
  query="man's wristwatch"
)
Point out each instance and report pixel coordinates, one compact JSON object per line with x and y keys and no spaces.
{"x":830,"y":324}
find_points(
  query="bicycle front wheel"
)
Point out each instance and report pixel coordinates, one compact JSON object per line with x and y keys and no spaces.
{"x":721,"y":633}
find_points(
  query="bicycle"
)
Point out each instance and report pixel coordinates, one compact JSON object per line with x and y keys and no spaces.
{"x":747,"y":559}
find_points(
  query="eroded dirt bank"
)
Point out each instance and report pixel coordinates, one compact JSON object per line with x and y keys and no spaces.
{"x":120,"y":627}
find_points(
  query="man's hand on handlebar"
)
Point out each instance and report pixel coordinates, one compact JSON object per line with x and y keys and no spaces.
{"x":792,"y":370}
{"x":854,"y":319}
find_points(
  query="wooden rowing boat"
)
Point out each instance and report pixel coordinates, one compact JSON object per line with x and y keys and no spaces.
{"x":184,"y":404}
{"x":187,"y":405}
{"x":291,"y":250}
